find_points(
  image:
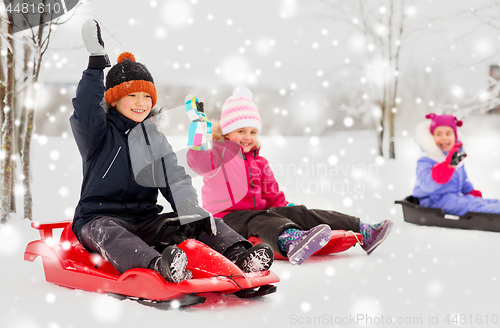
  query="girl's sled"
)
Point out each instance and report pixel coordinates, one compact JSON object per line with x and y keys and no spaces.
{"x":414,"y":213}
{"x":339,"y":242}
{"x":67,"y":263}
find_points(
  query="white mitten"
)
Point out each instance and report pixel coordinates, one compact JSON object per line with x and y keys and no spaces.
{"x":91,"y":34}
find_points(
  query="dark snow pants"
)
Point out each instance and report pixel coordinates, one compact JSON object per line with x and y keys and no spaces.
{"x":126,"y":243}
{"x":269,"y":224}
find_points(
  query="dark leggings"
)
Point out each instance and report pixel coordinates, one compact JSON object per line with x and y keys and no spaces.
{"x":126,"y":243}
{"x":269,"y":224}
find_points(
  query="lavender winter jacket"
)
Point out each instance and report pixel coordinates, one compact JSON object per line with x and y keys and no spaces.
{"x":425,"y":186}
{"x":453,"y":196}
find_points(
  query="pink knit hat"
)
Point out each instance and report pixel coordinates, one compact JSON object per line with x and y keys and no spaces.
{"x":239,"y":111}
{"x":444,"y":120}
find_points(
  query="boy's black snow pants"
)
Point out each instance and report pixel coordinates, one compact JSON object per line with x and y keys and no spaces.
{"x":269,"y":224}
{"x":126,"y":243}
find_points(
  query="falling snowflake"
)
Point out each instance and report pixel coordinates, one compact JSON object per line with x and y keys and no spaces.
{"x":347,"y":202}
{"x":314,"y":141}
{"x":50,"y":298}
{"x":333,"y":160}
{"x":54,"y":155}
{"x":330,"y":271}
{"x":305,"y":307}
{"x":42,"y":140}
{"x":63,"y":191}
{"x":348,"y":122}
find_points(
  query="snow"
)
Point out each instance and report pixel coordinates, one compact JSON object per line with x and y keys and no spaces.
{"x":419,"y":275}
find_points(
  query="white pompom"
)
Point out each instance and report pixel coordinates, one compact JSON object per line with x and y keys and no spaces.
{"x":242,"y":92}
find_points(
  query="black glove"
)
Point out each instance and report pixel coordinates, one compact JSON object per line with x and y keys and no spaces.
{"x":457,"y":157}
{"x":91,"y":34}
{"x":200,"y":107}
{"x":190,"y":207}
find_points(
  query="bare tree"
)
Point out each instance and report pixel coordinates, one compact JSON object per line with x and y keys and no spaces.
{"x":22,"y":94}
{"x":490,"y":100}
{"x":384,"y":33}
{"x":39,"y":41}
{"x":40,"y":45}
{"x":384,"y":26}
{"x":3,"y":83}
{"x":7,"y":130}
{"x":35,"y":47}
{"x":3,"y":87}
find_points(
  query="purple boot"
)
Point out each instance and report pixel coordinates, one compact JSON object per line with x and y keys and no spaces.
{"x":374,"y":235}
{"x":299,"y":245}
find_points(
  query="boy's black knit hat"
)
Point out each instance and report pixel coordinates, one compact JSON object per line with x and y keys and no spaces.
{"x":126,"y":77}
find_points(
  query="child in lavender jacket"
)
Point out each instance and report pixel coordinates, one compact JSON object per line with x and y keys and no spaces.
{"x":442,"y":181}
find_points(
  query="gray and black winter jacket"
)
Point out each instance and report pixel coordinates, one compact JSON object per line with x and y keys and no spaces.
{"x":117,"y":153}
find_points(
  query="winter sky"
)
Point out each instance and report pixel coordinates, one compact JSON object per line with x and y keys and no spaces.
{"x":287,"y":44}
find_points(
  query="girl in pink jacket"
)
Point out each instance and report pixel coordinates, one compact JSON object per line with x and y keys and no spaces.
{"x":240,"y":188}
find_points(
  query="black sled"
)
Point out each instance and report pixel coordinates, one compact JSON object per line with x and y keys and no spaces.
{"x":414,"y":213}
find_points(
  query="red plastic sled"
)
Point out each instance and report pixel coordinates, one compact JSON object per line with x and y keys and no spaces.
{"x":67,"y":263}
{"x":340,"y":241}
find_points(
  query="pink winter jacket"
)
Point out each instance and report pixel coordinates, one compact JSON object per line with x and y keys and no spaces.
{"x":235,"y":181}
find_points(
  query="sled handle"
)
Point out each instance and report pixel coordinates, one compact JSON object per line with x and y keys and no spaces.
{"x":45,"y":229}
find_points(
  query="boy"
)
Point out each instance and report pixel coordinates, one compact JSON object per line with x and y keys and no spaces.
{"x":117,"y":216}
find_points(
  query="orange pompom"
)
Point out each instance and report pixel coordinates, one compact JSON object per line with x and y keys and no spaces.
{"x":125,"y":55}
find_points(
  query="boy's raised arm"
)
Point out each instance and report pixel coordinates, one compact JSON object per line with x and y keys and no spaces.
{"x":88,"y":121}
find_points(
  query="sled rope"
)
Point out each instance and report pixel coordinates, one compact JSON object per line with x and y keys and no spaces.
{"x":355,"y":236}
{"x":231,"y":277}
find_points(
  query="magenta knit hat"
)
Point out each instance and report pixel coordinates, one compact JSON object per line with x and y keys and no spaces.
{"x":444,"y":120}
{"x":239,"y":111}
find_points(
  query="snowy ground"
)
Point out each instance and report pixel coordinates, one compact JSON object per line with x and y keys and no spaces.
{"x":420,"y":277}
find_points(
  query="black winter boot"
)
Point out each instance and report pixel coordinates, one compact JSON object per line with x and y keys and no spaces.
{"x":172,"y":265}
{"x":258,"y":258}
